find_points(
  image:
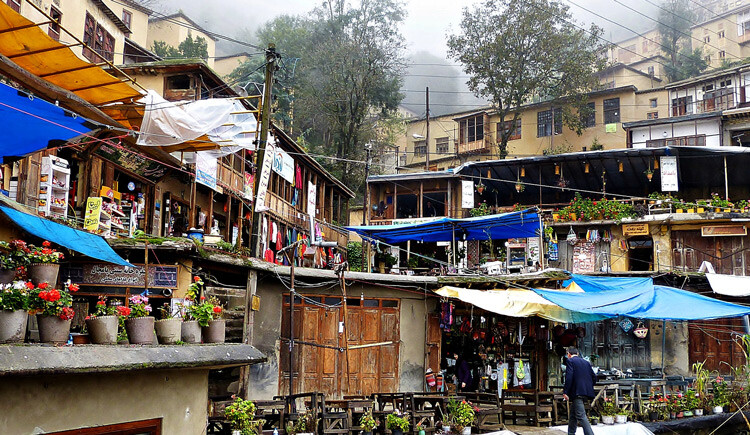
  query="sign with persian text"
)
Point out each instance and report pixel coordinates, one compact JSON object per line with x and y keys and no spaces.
{"x":668,"y":168}
{"x":467,"y":194}
{"x":640,"y":229}
{"x":723,"y":230}
{"x":103,"y":274}
{"x":265,"y":176}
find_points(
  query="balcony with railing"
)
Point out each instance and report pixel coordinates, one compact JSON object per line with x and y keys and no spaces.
{"x":285,"y":211}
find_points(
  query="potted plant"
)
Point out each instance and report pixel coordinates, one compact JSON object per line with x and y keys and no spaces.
{"x":385,"y":261}
{"x":480,"y":187}
{"x":306,"y":424}
{"x":139,"y":325}
{"x":13,"y":260}
{"x":396,"y":423}
{"x":208,"y":313}
{"x":621,"y":416}
{"x":649,"y":173}
{"x":608,"y":411}
{"x":53,"y":310}
{"x":190,"y":329}
{"x":44,"y":264}
{"x":14,"y":305}
{"x":720,"y":397}
{"x":692,"y":403}
{"x":169,"y":327}
{"x":241,"y":416}
{"x":701,"y":206}
{"x":103,"y":322}
{"x":461,"y":415}
{"x":367,"y":423}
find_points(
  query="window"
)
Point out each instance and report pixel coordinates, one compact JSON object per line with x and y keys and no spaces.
{"x":725,"y":83}
{"x":651,"y":71}
{"x":682,"y":106}
{"x":722,"y":54}
{"x":506,"y":126}
{"x":652,"y":102}
{"x":745,"y":28}
{"x":588,"y":117}
{"x":403,"y":160}
{"x":420,"y":148}
{"x":652,"y":115}
{"x":720,"y":34}
{"x":15,"y":5}
{"x":707,"y":59}
{"x":612,"y":111}
{"x":706,"y":39}
{"x":178,"y":82}
{"x":471,"y":129}
{"x":546,"y":120}
{"x":100,"y":44}
{"x":127,"y":17}
{"x":54,"y":27}
{"x":699,"y":140}
{"x":441,"y":145}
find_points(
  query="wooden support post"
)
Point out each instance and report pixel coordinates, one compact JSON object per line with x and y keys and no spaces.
{"x":247,"y":328}
{"x":346,"y":333}
{"x":193,"y":193}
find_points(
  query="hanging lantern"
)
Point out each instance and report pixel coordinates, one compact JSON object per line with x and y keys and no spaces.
{"x":656,"y":163}
{"x":586,"y":168}
{"x":523,"y":171}
{"x":488,"y":174}
{"x":620,"y":167}
{"x":557,"y":169}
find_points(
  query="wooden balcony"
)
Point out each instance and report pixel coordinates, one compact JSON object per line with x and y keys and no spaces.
{"x":290,"y":214}
{"x":476,"y":147}
{"x":230,"y":178}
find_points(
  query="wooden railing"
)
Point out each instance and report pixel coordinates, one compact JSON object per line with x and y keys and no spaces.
{"x":231,"y":178}
{"x":290,"y":214}
{"x":477,"y":146}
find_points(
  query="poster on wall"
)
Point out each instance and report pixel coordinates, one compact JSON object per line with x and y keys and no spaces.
{"x":311,"y":199}
{"x":584,"y":257}
{"x":247,"y":192}
{"x":467,"y":194}
{"x":93,"y":212}
{"x":668,"y":168}
{"x":265,"y":175}
{"x":283,"y":164}
{"x":533,"y":249}
{"x":206,"y":168}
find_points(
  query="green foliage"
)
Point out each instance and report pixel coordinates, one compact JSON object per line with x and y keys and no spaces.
{"x":564,"y":148}
{"x":716,"y":201}
{"x":14,"y":296}
{"x":586,"y":209}
{"x":461,"y":414}
{"x":205,"y":311}
{"x":241,"y":416}
{"x":596,"y":145}
{"x":14,"y":255}
{"x":395,"y":421}
{"x":608,"y":407}
{"x":188,"y":49}
{"x":304,"y":424}
{"x":675,"y":20}
{"x":367,"y":422}
{"x":354,"y":256}
{"x":481,"y":210}
{"x":516,"y":51}
{"x":387,"y":258}
{"x":102,"y":309}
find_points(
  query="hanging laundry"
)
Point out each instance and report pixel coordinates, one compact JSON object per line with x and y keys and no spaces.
{"x":268,"y":256}
{"x":264,"y":234}
{"x":298,"y":177}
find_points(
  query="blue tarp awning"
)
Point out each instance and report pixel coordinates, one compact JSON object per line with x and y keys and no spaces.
{"x":31,"y":124}
{"x":516,"y":224}
{"x":80,"y":241}
{"x":639,"y":298}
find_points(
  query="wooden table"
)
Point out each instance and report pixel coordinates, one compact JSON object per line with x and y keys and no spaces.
{"x":342,"y":415}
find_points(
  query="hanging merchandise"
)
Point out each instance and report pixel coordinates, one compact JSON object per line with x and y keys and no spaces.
{"x":623,"y":245}
{"x":606,"y":235}
{"x":640,"y":331}
{"x":446,"y":317}
{"x":429,"y":378}
{"x":626,"y":325}
{"x":592,"y":236}
{"x":439,"y":381}
{"x":572,"y":237}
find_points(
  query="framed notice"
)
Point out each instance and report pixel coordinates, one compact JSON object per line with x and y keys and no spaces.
{"x":668,"y":168}
{"x":467,"y":194}
{"x":723,"y":230}
{"x":635,"y":230}
{"x":584,"y":257}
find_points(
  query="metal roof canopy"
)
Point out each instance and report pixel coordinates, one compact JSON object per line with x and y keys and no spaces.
{"x":698,"y":167}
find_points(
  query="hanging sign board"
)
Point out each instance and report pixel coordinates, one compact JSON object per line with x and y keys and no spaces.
{"x":111,"y":275}
{"x":467,"y":194}
{"x":668,"y":168}
{"x":247,"y":192}
{"x":312,"y":191}
{"x":206,"y":168}
{"x":93,"y":213}
{"x":635,"y":230}
{"x":723,"y":230}
{"x":283,"y":164}
{"x":265,"y":175}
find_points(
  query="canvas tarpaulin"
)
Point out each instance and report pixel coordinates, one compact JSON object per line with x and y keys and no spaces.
{"x":519,"y":224}
{"x":516,"y":302}
{"x":80,"y":241}
{"x":639,"y":298}
{"x":31,"y":124}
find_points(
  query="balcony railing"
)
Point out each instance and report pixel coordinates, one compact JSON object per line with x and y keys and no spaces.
{"x":285,"y":211}
{"x":476,"y":147}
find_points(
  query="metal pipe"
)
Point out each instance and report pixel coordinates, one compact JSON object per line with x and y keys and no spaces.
{"x":726,"y":180}
{"x":663,"y":346}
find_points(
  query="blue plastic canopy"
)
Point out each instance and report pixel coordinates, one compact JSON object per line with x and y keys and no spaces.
{"x":515,"y":224}
{"x":641,"y":299}
{"x":80,"y":241}
{"x":31,"y":124}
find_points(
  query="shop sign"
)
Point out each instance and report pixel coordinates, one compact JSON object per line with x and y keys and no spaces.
{"x":206,"y":168}
{"x":100,"y":274}
{"x":668,"y":168}
{"x":283,"y":164}
{"x":312,"y":192}
{"x":635,"y":230}
{"x":467,"y":194}
{"x":265,"y":176}
{"x":132,"y":161}
{"x":723,"y":230}
{"x":93,"y":213}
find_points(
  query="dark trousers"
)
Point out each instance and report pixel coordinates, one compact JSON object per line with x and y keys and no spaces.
{"x":578,"y":416}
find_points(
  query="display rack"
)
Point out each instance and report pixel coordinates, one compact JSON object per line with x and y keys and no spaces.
{"x":54,"y":185}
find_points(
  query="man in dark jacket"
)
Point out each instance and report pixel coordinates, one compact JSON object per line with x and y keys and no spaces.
{"x":579,"y":386}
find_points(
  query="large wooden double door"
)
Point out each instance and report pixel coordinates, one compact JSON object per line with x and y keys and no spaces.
{"x":318,"y":365}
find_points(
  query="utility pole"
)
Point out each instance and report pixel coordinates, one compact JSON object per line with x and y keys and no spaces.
{"x":427,"y":134}
{"x":262,"y":142}
{"x":365,"y":210}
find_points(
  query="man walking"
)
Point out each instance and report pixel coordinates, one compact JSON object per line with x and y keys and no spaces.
{"x":579,"y":386}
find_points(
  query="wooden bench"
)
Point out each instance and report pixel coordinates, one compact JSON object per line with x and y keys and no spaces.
{"x":533,"y":406}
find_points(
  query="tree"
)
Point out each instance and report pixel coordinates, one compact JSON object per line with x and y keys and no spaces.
{"x":516,"y":51}
{"x":674,"y":23}
{"x":188,"y":49}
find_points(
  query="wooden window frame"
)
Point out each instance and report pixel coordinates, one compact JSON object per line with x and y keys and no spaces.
{"x":442,"y":145}
{"x":100,"y":44}
{"x":471,"y":129}
{"x":506,"y":125}
{"x":129,"y":428}
{"x":15,"y":5}
{"x":611,"y":110}
{"x":54,"y":28}
{"x":127,"y":18}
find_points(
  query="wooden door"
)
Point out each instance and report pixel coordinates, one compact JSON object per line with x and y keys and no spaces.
{"x":712,"y":341}
{"x":329,"y":358}
{"x":434,"y":335}
{"x":389,"y":331}
{"x":284,"y":350}
{"x":369,"y":368}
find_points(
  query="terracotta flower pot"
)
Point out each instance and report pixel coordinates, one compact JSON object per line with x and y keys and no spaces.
{"x":168,"y":331}
{"x":12,"y":326}
{"x":7,"y":276}
{"x":44,"y":272}
{"x":140,"y":330}
{"x":53,"y":329}
{"x":215,"y":331}
{"x":103,"y":329}
{"x":191,"y":331}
